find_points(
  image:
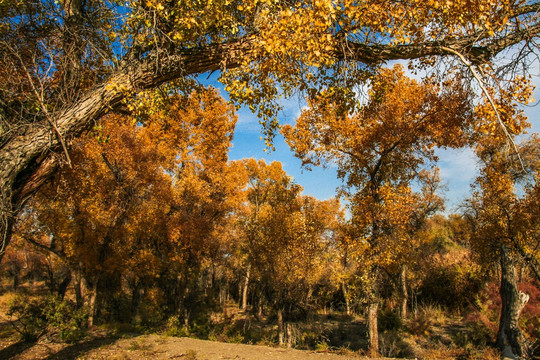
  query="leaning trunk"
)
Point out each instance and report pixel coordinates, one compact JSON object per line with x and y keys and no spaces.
{"x":29,"y":157}
{"x":510,"y":339}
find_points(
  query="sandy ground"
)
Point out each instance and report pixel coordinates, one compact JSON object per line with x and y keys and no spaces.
{"x":158,"y":347}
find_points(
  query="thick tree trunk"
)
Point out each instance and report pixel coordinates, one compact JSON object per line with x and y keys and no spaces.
{"x":404,"y":296}
{"x":510,"y":339}
{"x":309,"y":294}
{"x":245,"y":288}
{"x":223,"y":292}
{"x":15,"y":281}
{"x":29,"y":158}
{"x":372,"y":325}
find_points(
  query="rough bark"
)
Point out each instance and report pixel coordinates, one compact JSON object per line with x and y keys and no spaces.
{"x":137,"y":294}
{"x":372,"y":324}
{"x":28,"y":159}
{"x":403,"y":291}
{"x":290,"y":336}
{"x":510,"y":338}
{"x":63,"y":285}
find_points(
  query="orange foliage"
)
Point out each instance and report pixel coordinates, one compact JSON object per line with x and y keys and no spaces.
{"x":145,"y":195}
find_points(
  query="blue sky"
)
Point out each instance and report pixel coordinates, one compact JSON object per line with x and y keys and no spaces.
{"x":458,"y":167}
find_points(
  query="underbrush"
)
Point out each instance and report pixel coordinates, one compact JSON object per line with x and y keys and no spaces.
{"x":431,"y":332}
{"x":330,"y":332}
{"x":34,"y":316}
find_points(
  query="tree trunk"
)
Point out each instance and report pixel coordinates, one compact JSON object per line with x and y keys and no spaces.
{"x":15,"y":280}
{"x":510,"y":339}
{"x":346,"y":297}
{"x":403,"y":291}
{"x":309,"y":294}
{"x":78,"y":289}
{"x":281,"y":328}
{"x":92,"y":303}
{"x":290,"y":337}
{"x":137,"y":293}
{"x":63,"y":285}
{"x":28,"y":158}
{"x":245,"y":288}
{"x":372,"y":325}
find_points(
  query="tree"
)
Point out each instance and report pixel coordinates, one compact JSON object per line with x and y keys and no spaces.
{"x":65,"y":64}
{"x":504,"y":229}
{"x":144,"y":197}
{"x":284,"y":239}
{"x":425,"y":204}
{"x":379,"y":151}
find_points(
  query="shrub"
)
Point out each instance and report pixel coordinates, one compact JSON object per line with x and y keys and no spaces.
{"x":452,"y":285}
{"x":392,"y":345}
{"x":389,"y":320}
{"x":30,"y":320}
{"x":33,"y":317}
{"x":66,"y":318}
{"x":420,"y":323}
{"x":475,"y":336}
{"x":175,"y":327}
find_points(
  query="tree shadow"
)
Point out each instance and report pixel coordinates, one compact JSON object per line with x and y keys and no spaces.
{"x":347,"y":334}
{"x":76,"y":350}
{"x":15,"y":349}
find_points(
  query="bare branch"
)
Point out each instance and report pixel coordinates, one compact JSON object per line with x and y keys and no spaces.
{"x":491,"y":101}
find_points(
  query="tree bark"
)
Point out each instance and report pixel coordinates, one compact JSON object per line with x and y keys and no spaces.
{"x":79,"y":300}
{"x":245,"y":288}
{"x":137,"y":294}
{"x":29,"y":159}
{"x":63,"y":285}
{"x":93,"y":303}
{"x":510,"y":338}
{"x":403,"y":291}
{"x":290,"y":336}
{"x":373,"y":331}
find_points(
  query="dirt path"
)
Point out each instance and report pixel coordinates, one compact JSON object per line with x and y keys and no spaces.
{"x":158,"y":347}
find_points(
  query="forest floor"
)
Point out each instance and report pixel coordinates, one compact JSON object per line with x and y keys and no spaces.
{"x":156,"y":347}
{"x":101,"y":343}
{"x":433,"y":336}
